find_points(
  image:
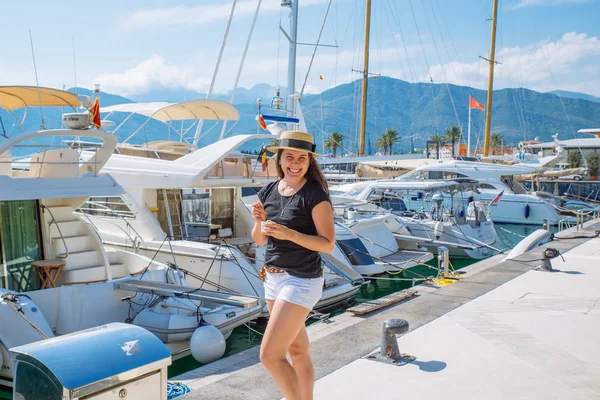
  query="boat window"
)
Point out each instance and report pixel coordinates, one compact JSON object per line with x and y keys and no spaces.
{"x":435,"y":175}
{"x":453,"y":175}
{"x":196,"y":207}
{"x":221,"y":208}
{"x":356,"y":251}
{"x":390,"y":203}
{"x":20,"y":244}
{"x":250,"y":191}
{"x":111,"y":206}
{"x":196,"y":211}
{"x":486,"y":186}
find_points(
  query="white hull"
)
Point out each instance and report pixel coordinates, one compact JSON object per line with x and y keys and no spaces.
{"x":463,"y":234}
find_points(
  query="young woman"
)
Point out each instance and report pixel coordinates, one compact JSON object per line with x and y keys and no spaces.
{"x":294,"y":218}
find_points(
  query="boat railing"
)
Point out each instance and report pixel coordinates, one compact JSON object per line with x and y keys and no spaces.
{"x":96,"y":206}
{"x":242,"y":167}
{"x":54,"y":221}
{"x":565,"y":224}
{"x":51,"y":154}
{"x":582,"y":214}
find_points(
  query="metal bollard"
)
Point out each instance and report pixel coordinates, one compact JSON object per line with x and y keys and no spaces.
{"x":549,"y":254}
{"x":389,"y":352}
{"x":443,"y":261}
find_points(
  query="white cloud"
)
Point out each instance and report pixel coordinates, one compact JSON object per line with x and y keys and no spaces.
{"x":538,"y":3}
{"x":150,"y":74}
{"x":181,"y":16}
{"x":562,"y":64}
{"x":550,"y":65}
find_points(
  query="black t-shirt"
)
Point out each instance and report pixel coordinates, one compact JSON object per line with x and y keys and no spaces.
{"x":295,"y":212}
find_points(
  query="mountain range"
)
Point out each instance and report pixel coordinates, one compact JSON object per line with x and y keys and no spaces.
{"x":417,"y":110}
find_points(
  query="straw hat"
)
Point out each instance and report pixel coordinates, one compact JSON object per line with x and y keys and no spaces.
{"x":295,"y":140}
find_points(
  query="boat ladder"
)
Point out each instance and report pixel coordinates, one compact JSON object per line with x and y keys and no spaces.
{"x":177,"y":227}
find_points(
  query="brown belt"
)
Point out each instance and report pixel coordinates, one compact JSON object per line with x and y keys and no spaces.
{"x":262,"y":274}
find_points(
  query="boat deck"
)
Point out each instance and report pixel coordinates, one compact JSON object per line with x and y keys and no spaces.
{"x":505,"y":331}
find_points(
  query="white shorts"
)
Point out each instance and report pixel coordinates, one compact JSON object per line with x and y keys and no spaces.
{"x":305,"y":292}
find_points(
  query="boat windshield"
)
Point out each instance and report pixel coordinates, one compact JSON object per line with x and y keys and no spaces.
{"x":356,"y":251}
{"x":515,"y":186}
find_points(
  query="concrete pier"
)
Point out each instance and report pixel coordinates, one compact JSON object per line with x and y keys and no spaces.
{"x":507,"y":330}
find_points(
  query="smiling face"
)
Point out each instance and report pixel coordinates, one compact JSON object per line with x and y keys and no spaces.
{"x":294,"y":163}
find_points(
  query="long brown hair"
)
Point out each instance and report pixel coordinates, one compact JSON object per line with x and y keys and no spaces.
{"x":313,"y":173}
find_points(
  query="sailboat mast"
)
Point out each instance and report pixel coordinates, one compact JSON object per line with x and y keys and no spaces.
{"x":365,"y":82}
{"x":291,"y":80}
{"x":488,"y":109}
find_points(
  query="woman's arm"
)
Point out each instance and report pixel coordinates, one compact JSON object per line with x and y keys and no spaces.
{"x":323,"y":241}
{"x":258,"y":215}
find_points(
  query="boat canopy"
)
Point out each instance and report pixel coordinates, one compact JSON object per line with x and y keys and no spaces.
{"x":14,"y":97}
{"x":188,"y":171}
{"x":192,"y":109}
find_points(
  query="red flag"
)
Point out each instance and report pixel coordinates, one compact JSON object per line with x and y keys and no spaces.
{"x":497,"y":198}
{"x":475,"y":104}
{"x":95,"y":114}
{"x":261,"y":122}
{"x":321,"y":77}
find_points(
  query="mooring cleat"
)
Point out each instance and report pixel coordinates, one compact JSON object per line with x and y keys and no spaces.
{"x":389,"y":352}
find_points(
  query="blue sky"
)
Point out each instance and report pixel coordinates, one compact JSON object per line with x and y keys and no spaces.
{"x":133,"y":47}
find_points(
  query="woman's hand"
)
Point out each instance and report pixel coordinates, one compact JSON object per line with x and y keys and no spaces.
{"x":258,"y":212}
{"x":278,"y":231}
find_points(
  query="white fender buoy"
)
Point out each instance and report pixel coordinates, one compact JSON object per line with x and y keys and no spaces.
{"x":207,"y":344}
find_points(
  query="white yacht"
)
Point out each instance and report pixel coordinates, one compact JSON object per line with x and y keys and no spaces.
{"x":516,"y":205}
{"x":192,"y":207}
{"x":459,"y":225}
{"x":56,"y":277}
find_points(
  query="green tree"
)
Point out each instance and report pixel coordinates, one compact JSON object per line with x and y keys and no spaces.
{"x":453,"y":134}
{"x":593,"y":164}
{"x":392,"y":136}
{"x":381,"y":143}
{"x":574,"y":159}
{"x":496,"y":140}
{"x":440,"y":140}
{"x":333,"y":142}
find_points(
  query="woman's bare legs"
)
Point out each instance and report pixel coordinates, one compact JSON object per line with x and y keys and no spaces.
{"x":302,"y":364}
{"x":285,"y":324}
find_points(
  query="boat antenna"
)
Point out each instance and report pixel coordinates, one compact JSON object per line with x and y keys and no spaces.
{"x":36,"y":80}
{"x":491,"y":62}
{"x":75,"y":69}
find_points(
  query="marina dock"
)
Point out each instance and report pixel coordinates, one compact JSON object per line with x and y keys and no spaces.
{"x":507,"y":330}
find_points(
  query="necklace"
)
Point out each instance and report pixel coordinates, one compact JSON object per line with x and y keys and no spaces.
{"x":288,"y":203}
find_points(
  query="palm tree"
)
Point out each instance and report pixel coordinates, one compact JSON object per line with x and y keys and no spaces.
{"x":496,"y":140}
{"x":440,"y":140}
{"x":333,"y":142}
{"x":381,"y":143}
{"x":391,"y":136}
{"x":453,"y":134}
